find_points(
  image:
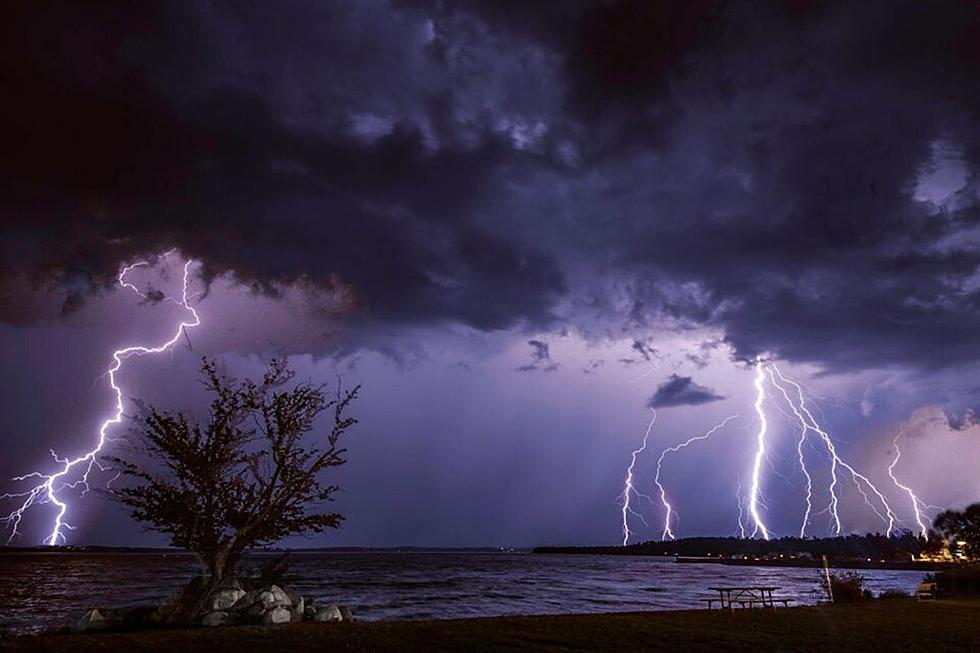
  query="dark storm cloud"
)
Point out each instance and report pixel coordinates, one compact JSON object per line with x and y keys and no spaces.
{"x":681,"y":391}
{"x":116,"y":153}
{"x":781,"y":172}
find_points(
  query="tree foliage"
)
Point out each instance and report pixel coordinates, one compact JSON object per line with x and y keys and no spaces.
{"x":956,"y":526}
{"x":249,"y":476}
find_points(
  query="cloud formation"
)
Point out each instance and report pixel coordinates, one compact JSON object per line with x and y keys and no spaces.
{"x":541,"y":360}
{"x":682,"y":391}
{"x":803,"y":179}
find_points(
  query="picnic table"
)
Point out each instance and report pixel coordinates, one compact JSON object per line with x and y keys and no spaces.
{"x":745,"y":597}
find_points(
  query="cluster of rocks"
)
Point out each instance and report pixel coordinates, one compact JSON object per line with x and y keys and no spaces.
{"x":232,"y":601}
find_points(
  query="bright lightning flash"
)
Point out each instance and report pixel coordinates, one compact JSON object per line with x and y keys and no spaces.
{"x":669,"y":510}
{"x":47,"y":490}
{"x":628,"y":488}
{"x":918,"y":506}
{"x":808,"y":422}
{"x":760,"y":454}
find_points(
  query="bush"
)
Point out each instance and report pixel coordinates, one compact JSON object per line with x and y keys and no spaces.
{"x":274,"y":571}
{"x":963,"y":580}
{"x":894,"y":594}
{"x":845,"y":587}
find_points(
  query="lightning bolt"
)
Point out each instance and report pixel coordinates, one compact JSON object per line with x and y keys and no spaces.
{"x":741,"y":515}
{"x":669,"y":511}
{"x":916,"y":502}
{"x":809,"y":482}
{"x":805,"y":427}
{"x":760,"y":396}
{"x":47,"y":490}
{"x":628,"y":489}
{"x":808,"y":422}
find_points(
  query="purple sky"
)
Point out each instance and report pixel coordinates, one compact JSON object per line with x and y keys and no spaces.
{"x":520,"y":226}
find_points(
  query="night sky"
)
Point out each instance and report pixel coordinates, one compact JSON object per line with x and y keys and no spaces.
{"x":521,"y":226}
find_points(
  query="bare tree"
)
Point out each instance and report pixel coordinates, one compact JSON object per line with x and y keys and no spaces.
{"x":248,"y":477}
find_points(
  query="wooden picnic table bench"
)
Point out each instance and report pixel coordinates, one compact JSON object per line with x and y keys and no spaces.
{"x":745,"y":597}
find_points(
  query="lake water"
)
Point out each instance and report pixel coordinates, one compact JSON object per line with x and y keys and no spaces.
{"x":40,"y":591}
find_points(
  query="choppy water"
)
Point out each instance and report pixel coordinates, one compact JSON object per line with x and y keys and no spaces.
{"x":40,"y":591}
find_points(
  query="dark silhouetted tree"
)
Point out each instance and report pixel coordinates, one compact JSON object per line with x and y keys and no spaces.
{"x":961,"y":526}
{"x":249,"y":476}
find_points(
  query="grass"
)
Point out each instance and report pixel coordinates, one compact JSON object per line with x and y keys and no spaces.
{"x":878,"y":626}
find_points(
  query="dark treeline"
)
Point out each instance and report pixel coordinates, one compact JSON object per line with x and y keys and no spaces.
{"x":876,"y":546}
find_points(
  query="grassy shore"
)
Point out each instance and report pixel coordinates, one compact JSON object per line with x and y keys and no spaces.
{"x":879,"y":626}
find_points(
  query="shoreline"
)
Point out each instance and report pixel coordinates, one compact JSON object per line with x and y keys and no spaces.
{"x":881,"y":625}
{"x":883,"y":565}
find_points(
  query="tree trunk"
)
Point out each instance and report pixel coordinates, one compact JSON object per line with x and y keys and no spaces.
{"x":231,"y":561}
{"x":220,"y":563}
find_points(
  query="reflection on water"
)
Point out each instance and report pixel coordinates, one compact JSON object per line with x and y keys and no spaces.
{"x":40,"y":591}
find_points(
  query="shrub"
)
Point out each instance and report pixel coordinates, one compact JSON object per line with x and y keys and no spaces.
{"x":845,"y":587}
{"x":963,"y":580}
{"x":274,"y":571}
{"x":893,"y":594}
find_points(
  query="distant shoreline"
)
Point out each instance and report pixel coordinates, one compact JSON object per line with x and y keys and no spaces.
{"x":797,"y":562}
{"x":872,"y":551}
{"x":884,"y":565}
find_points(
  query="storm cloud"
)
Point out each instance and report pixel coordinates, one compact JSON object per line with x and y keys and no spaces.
{"x":682,"y":391}
{"x":510,"y":221}
{"x":801,"y":179}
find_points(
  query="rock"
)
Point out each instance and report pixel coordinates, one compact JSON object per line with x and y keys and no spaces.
{"x":223,"y":599}
{"x":216,"y":618}
{"x":293,"y":596}
{"x":309,"y":609}
{"x":94,"y":619}
{"x":346,"y":613}
{"x":274,"y":597}
{"x":328,"y":614}
{"x":246,"y":600}
{"x":278,"y":616}
{"x":229,"y":583}
{"x":299,"y":609}
{"x":254,"y":614}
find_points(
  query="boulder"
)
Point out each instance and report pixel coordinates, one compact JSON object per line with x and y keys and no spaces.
{"x":229,"y":583}
{"x":299,"y":609}
{"x":293,"y":596}
{"x":94,"y":619}
{"x":309,"y":609}
{"x":216,"y":618}
{"x":328,"y":614}
{"x":274,"y":597}
{"x":246,"y":600}
{"x":223,"y":599}
{"x":346,"y":613}
{"x":278,"y":616}
{"x":254,"y":614}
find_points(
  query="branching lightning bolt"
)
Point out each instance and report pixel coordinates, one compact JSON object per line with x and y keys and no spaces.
{"x":918,"y":506}
{"x":808,"y":422}
{"x":809,"y":481}
{"x":669,"y":511}
{"x":754,"y":491}
{"x":628,"y":488}
{"x":51,"y":484}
